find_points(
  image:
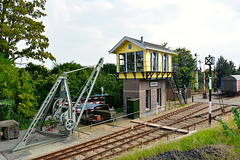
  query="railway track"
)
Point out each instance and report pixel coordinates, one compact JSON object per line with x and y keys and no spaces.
{"x":178,"y":122}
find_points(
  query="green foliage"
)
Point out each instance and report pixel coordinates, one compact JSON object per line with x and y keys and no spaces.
{"x":6,"y":109}
{"x":28,"y":87}
{"x":184,"y":65}
{"x":76,"y":79}
{"x":202,"y":138}
{"x":26,"y":100}
{"x":19,"y":24}
{"x":23,"y":122}
{"x":7,"y":112}
{"x":224,"y":68}
{"x":9,"y":78}
{"x":229,"y":131}
{"x":36,"y":70}
{"x":108,"y":68}
{"x":236,"y":117}
{"x":113,"y":87}
{"x":43,"y":86}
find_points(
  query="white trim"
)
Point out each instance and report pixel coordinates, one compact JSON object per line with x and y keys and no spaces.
{"x":161,"y":50}
{"x":135,"y":61}
{"x":124,"y":39}
{"x":138,"y":44}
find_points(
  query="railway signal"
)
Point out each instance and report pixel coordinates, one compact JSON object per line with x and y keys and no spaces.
{"x":210,"y":61}
{"x":196,"y":76}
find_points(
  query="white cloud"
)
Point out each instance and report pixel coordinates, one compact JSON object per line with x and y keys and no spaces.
{"x":84,"y":30}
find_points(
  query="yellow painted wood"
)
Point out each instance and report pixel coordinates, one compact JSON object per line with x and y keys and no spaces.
{"x":123,"y":48}
{"x":139,"y":75}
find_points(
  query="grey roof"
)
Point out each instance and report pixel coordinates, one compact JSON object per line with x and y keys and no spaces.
{"x":144,"y":45}
{"x":237,"y":77}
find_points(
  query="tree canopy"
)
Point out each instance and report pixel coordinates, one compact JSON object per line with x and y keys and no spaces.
{"x":184,"y":65}
{"x":20,"y":25}
{"x":225,"y":68}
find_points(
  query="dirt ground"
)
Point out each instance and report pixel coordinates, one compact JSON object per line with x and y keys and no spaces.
{"x":89,"y":133}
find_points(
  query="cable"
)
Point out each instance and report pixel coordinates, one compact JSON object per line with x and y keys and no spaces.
{"x":79,"y":69}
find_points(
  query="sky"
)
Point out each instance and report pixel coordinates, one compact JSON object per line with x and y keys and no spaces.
{"x":83,"y":31}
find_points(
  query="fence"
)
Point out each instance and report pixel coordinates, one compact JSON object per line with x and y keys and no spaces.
{"x":170,"y":96}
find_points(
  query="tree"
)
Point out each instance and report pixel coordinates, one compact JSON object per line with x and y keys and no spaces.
{"x":185,"y":66}
{"x":19,"y":25}
{"x":108,"y":68}
{"x":224,"y":68}
{"x":238,"y":71}
{"x":75,"y":79}
{"x":232,"y":67}
{"x":36,"y":70}
{"x":9,"y":78}
{"x":26,"y":100}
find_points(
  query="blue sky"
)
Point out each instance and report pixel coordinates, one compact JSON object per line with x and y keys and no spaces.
{"x":85,"y":30}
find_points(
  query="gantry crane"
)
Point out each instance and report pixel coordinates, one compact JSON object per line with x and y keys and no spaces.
{"x":65,"y":116}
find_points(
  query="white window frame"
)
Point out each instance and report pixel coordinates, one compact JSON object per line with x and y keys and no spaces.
{"x":126,"y":60}
{"x":154,"y":63}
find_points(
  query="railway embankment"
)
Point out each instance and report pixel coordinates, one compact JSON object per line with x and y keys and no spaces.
{"x":208,"y":143}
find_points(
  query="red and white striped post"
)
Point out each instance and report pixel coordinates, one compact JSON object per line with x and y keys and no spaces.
{"x":204,"y":84}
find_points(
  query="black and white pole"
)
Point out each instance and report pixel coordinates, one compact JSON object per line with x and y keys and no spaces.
{"x":210,"y":61}
{"x":210,"y":95}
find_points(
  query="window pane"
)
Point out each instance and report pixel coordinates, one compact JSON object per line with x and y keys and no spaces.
{"x":159,"y":96}
{"x":154,"y":61}
{"x":130,"y":61}
{"x":164,"y":62}
{"x":122,"y":67}
{"x":148,"y":99}
{"x":167,"y":62}
{"x":139,"y":59}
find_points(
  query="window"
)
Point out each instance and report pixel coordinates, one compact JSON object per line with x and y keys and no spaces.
{"x":130,"y":61}
{"x":159,"y":100}
{"x":154,"y":61}
{"x":148,"y":99}
{"x":165,"y":62}
{"x":139,"y":61}
{"x":130,"y":46}
{"x":122,"y":67}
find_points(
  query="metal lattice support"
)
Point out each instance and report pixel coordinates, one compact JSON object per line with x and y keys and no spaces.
{"x":65,"y":119}
{"x":88,"y":88}
{"x":42,"y":111}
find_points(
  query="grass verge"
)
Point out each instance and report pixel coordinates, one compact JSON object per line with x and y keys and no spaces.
{"x":213,"y":136}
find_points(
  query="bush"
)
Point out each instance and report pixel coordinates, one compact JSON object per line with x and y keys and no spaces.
{"x":7,"y":112}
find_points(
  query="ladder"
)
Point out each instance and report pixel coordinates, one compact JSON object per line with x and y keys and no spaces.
{"x":175,"y":89}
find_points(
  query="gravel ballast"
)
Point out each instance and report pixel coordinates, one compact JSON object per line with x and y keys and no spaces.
{"x":188,"y":155}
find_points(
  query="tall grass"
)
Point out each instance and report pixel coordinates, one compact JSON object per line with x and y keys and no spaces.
{"x":213,"y":136}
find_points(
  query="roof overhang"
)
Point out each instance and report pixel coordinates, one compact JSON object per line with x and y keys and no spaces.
{"x":113,"y":50}
{"x":170,"y":52}
{"x":139,"y":44}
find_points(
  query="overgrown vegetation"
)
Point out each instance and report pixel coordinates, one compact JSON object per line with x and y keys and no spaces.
{"x":213,"y":136}
{"x":22,"y":91}
{"x":229,"y":132}
{"x":225,"y":137}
